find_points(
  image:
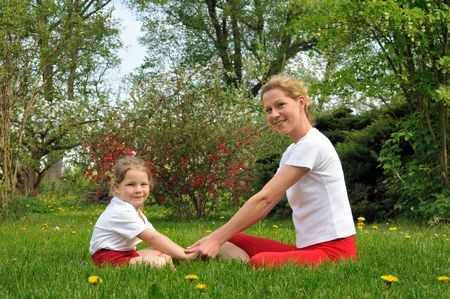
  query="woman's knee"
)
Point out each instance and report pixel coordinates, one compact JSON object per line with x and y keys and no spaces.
{"x":264,"y":259}
{"x":230,"y":251}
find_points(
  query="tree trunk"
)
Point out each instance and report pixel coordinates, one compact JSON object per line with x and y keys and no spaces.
{"x":443,"y":116}
{"x":53,"y":174}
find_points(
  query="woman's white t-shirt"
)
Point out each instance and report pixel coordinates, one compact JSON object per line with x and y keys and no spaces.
{"x":118,"y":226}
{"x":319,"y":201}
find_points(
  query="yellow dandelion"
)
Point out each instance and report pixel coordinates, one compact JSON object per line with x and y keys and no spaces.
{"x":360,"y":226}
{"x":95,"y":280}
{"x":208,"y":230}
{"x":45,"y":226}
{"x":374,"y":226}
{"x":361,"y":219}
{"x":201,"y":287}
{"x":442,"y":278}
{"x":191,"y":277}
{"x":407,"y":237}
{"x":275,"y":226}
{"x":392,"y":229}
{"x":389,"y":279}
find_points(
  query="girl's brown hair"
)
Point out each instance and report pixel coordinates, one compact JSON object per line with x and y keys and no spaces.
{"x":292,"y":87}
{"x":123,"y":165}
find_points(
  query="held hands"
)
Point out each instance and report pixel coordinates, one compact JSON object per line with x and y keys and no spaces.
{"x":204,"y":248}
{"x":190,"y":256}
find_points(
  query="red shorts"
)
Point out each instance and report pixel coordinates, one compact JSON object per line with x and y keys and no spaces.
{"x":105,"y":257}
{"x":265,"y":252}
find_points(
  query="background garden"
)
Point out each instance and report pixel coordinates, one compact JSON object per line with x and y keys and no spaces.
{"x":377,"y":73}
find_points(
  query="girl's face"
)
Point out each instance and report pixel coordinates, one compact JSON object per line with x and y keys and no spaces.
{"x":283,"y":112}
{"x":134,"y":188}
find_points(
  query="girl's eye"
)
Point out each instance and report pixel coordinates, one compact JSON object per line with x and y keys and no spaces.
{"x":268,"y":110}
{"x":280,"y":105}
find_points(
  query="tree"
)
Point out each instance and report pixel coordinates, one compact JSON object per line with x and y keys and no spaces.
{"x":251,"y":40}
{"x":397,"y":52}
{"x":15,"y":65}
{"x":62,"y":51}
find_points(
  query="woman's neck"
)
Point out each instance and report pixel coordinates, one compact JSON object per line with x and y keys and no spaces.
{"x":301,"y":132}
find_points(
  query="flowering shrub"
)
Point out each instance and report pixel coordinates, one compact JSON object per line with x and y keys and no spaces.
{"x":198,"y":154}
{"x":106,"y":146}
{"x":201,"y":169}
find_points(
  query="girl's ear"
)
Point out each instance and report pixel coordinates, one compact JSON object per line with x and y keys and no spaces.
{"x":115,"y":187}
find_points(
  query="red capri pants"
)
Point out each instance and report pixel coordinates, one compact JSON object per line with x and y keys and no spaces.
{"x":105,"y":257}
{"x":265,"y":252}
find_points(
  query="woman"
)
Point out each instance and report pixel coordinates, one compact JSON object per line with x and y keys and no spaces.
{"x":310,"y":174}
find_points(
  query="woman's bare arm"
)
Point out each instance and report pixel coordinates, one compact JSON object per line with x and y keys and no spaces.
{"x":255,"y":209}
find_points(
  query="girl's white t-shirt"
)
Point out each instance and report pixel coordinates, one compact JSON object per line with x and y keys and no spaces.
{"x":118,"y":226}
{"x":320,"y":207}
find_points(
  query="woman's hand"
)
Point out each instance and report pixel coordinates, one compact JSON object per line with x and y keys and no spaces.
{"x":206,"y":247}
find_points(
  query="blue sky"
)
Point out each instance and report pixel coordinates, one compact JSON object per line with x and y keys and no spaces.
{"x":132,"y":54}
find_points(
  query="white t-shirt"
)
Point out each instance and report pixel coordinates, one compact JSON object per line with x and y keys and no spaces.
{"x":118,"y":226}
{"x":319,"y":201}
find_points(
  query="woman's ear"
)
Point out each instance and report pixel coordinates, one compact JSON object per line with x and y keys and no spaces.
{"x":301,"y":101}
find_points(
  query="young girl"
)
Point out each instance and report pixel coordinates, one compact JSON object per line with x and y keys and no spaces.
{"x":123,"y":225}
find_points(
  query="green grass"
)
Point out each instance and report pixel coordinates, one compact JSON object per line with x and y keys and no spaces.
{"x":45,"y":255}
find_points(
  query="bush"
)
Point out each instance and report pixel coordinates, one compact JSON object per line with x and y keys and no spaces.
{"x":412,"y":173}
{"x":199,"y":142}
{"x":358,"y":140}
{"x":17,"y":207}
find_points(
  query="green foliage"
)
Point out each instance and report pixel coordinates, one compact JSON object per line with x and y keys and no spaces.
{"x":55,"y":57}
{"x":358,"y":139}
{"x":200,"y":142}
{"x":16,"y":208}
{"x":395,"y":54}
{"x":252,"y":40}
{"x":404,"y":166}
{"x":359,"y":155}
{"x":438,"y":207}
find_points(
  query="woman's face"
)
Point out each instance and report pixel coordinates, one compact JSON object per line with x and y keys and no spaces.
{"x":282,"y":112}
{"x":134,"y":188}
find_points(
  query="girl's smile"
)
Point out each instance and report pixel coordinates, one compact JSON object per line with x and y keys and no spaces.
{"x":134,"y":188}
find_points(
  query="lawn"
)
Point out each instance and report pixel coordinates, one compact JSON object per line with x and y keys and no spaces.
{"x":45,"y":255}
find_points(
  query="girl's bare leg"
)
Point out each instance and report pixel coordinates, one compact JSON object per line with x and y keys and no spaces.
{"x":153,"y":258}
{"x":230,"y":251}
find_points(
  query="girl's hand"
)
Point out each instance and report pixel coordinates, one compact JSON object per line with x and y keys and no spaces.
{"x":191,"y":256}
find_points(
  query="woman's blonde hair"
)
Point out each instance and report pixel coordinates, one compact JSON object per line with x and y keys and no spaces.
{"x":123,"y":165}
{"x":292,"y":87}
